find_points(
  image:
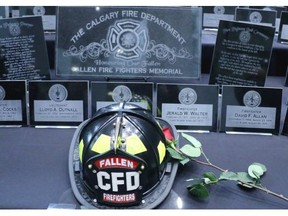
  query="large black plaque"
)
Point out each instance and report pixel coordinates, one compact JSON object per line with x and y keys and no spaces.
{"x":283,"y":28}
{"x":23,"y":52}
{"x":251,"y":109}
{"x":13,"y":103}
{"x":242,"y":54}
{"x":256,"y":16}
{"x":134,"y":42}
{"x":213,"y":14}
{"x":58,"y":103}
{"x":48,"y":14}
{"x":106,"y":93}
{"x":188,"y":107}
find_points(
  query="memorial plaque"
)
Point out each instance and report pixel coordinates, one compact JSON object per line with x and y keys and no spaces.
{"x":283,"y":28}
{"x":106,"y":93}
{"x":278,"y":10}
{"x":256,"y":16}
{"x":188,"y":107}
{"x":241,"y":54}
{"x":48,"y":14}
{"x":285,"y":127}
{"x":58,"y":103}
{"x":251,"y":109}
{"x":23,"y":52}
{"x":13,"y":103}
{"x":129,"y":42}
{"x":213,"y":14}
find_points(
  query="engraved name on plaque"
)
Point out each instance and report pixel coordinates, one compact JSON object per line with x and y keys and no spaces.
{"x":251,"y":109}
{"x":63,"y":103}
{"x":188,"y":107}
{"x":13,"y":102}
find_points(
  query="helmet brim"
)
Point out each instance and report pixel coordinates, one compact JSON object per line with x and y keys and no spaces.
{"x":150,"y":201}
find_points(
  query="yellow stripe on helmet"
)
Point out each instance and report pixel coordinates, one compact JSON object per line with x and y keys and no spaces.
{"x":134,"y":145}
{"x":81,"y":146}
{"x":102,"y":144}
{"x":161,"y":151}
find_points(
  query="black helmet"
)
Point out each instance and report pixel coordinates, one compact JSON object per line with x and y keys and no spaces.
{"x":118,"y":159}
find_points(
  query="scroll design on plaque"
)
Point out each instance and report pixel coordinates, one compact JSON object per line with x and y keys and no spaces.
{"x":15,"y":27}
{"x":127,"y":40}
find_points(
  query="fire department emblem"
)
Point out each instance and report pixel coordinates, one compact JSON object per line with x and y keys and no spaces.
{"x":252,"y":99}
{"x":121,"y":94}
{"x":14,"y":29}
{"x":58,"y":93}
{"x":127,"y":39}
{"x":187,"y":96}
{"x":39,"y":10}
{"x":255,"y":17}
{"x":245,"y":36}
{"x":219,"y":10}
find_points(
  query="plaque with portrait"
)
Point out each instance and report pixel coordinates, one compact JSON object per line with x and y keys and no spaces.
{"x":189,"y":107}
{"x":213,"y":14}
{"x":58,"y":103}
{"x":47,"y":13}
{"x":129,"y":42}
{"x":242,"y":54}
{"x":256,"y":16}
{"x":283,"y":28}
{"x":106,"y":93}
{"x":13,"y":102}
{"x":23,"y":51}
{"x":251,"y":109}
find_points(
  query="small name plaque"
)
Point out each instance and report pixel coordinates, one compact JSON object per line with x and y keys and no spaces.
{"x":188,"y":107}
{"x":58,"y":103}
{"x":13,"y":102}
{"x":251,"y":109}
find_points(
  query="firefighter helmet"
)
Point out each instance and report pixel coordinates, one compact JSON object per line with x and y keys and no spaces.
{"x":118,"y":159}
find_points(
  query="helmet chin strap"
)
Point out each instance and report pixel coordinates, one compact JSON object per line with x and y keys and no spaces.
{"x":118,"y":128}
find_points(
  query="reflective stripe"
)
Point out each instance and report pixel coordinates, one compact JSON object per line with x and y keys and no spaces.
{"x":134,"y":145}
{"x":102,"y":144}
{"x":162,"y":151}
{"x":81,"y":146}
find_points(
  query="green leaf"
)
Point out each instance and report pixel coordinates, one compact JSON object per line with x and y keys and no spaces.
{"x":245,"y":177}
{"x":192,"y":140}
{"x":198,"y":190}
{"x":228,"y":176}
{"x":184,"y":161}
{"x":256,"y":170}
{"x":190,"y":151}
{"x":174,"y":154}
{"x":211,"y":176}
